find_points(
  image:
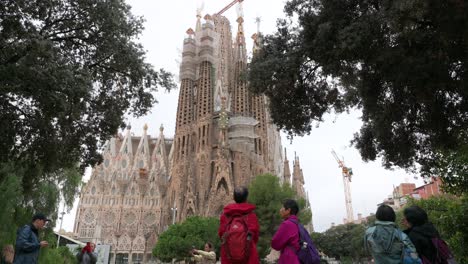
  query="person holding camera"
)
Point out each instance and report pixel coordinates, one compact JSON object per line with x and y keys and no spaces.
{"x":87,"y":254}
{"x":207,"y":256}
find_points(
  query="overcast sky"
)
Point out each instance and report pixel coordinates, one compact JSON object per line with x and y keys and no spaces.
{"x":166,"y":23}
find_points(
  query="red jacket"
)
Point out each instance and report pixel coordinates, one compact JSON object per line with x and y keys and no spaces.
{"x":252,"y":223}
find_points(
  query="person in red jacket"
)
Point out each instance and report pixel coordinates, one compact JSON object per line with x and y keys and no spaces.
{"x":243,"y":208}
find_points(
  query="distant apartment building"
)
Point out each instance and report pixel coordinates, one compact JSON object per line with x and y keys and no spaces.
{"x":429,"y":189}
{"x":402,"y":192}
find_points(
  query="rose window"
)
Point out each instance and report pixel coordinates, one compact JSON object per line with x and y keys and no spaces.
{"x":150,"y":218}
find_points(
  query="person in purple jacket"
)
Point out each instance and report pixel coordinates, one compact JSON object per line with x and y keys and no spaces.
{"x":286,"y":239}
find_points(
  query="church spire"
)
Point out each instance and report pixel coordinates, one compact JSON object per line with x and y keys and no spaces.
{"x":298,"y":178}
{"x":257,"y":37}
{"x":143,"y":146}
{"x":240,"y":38}
{"x":199,"y":16}
{"x":127,"y":142}
{"x":241,"y":97}
{"x":287,"y":172}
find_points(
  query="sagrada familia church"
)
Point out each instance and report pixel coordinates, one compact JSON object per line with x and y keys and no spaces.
{"x":223,"y":138}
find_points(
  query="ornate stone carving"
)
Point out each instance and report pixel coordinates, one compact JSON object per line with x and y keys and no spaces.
{"x":130,"y":218}
{"x":109,"y":217}
{"x":149,"y":219}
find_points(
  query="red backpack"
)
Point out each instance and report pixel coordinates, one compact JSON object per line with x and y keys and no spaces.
{"x":237,"y":239}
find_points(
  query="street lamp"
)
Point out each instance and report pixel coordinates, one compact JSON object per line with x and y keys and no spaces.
{"x":174,"y":211}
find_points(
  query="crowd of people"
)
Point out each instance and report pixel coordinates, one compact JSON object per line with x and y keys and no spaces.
{"x":239,"y":232}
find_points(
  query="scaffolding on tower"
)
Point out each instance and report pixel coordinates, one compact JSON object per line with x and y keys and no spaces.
{"x":347,"y":173}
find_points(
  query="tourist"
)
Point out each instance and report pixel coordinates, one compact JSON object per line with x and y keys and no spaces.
{"x":286,"y":239}
{"x":239,"y":218}
{"x":386,"y":242}
{"x":8,"y":254}
{"x":207,"y":256}
{"x":27,"y":241}
{"x":420,"y":231}
{"x":87,"y":254}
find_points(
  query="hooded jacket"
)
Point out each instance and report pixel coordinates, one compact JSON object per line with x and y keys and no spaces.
{"x":386,"y":242}
{"x":252,"y":223}
{"x":286,"y":240}
{"x":421,"y":238}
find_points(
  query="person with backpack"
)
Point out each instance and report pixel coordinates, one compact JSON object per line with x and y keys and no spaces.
{"x":387,"y":243}
{"x":425,"y":237}
{"x":239,"y":231}
{"x":292,"y":239}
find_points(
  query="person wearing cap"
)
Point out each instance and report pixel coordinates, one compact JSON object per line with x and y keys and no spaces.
{"x":27,"y":241}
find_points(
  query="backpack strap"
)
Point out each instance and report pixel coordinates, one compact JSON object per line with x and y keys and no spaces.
{"x":298,"y":232}
{"x":400,"y":237}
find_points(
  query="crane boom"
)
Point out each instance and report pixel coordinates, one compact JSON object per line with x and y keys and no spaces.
{"x":228,"y":6}
{"x":346,"y":173}
{"x":340,"y":163}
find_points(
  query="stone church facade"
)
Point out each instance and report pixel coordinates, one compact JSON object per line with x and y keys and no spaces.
{"x":224,"y":138}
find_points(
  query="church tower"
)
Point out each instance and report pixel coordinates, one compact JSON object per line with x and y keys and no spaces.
{"x":221,"y":132}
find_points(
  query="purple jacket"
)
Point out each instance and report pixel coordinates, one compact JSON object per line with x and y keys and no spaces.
{"x":286,"y":240}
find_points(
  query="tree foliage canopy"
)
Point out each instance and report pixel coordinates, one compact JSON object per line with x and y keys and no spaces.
{"x":69,"y":72}
{"x":266,"y":192}
{"x":343,"y":242}
{"x":177,"y":241}
{"x":402,"y":63}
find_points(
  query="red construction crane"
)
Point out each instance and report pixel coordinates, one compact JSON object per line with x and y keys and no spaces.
{"x":347,"y":173}
{"x":229,"y":6}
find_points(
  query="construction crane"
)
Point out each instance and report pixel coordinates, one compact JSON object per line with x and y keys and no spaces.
{"x":228,"y":6}
{"x":347,"y":173}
